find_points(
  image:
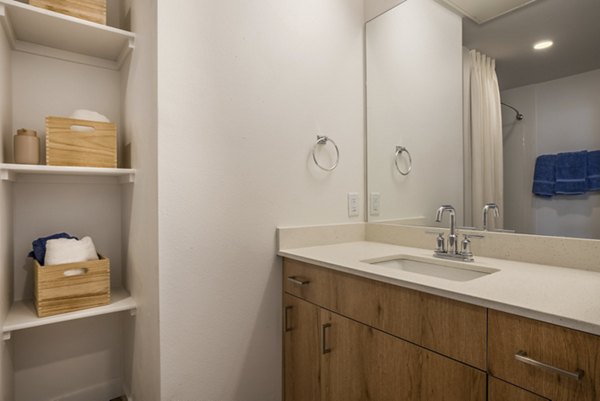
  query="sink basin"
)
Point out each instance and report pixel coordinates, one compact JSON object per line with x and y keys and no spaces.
{"x":454,"y":271}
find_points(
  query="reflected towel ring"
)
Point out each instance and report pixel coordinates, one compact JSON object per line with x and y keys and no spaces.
{"x":399,"y":151}
{"x":322,"y":140}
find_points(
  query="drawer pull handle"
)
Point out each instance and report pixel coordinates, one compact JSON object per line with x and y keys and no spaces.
{"x":75,"y":272}
{"x":287,"y":319}
{"x":298,"y":280}
{"x":324,"y":348}
{"x":521,"y":356}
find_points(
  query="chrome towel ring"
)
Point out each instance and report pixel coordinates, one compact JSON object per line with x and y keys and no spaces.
{"x":399,"y":151}
{"x":322,"y":140}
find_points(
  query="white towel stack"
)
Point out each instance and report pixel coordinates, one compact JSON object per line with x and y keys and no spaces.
{"x":65,"y":250}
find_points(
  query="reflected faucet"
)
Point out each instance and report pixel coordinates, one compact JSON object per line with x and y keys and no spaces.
{"x":486,"y":209}
{"x":452,"y":242}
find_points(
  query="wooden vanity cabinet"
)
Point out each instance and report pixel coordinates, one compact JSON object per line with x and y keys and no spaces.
{"x":333,"y":357}
{"x":452,"y":328}
{"x":349,"y":338}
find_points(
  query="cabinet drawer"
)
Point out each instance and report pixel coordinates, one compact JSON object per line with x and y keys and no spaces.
{"x":502,"y":391}
{"x":544,"y":358}
{"x":361,"y":363}
{"x":452,"y":328}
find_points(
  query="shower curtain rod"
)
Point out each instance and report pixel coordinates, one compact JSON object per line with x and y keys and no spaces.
{"x":519,"y":115}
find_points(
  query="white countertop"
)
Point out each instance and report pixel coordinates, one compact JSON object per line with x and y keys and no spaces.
{"x":566,"y":297}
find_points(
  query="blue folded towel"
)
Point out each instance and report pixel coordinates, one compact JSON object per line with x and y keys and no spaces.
{"x":544,"y":175}
{"x":593,"y":171}
{"x":39,"y":246}
{"x":571,"y":173}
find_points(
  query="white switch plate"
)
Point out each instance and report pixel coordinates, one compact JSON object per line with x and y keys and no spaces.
{"x":375,"y":204}
{"x":353,"y":204}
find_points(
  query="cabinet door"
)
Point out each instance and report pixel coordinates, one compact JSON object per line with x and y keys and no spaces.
{"x":502,"y":391}
{"x":360,"y":363}
{"x":301,"y":350}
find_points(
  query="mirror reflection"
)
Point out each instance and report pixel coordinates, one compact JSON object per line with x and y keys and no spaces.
{"x":491,"y":108}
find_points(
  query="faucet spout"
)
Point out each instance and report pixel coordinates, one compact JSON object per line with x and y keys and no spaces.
{"x":452,"y":238}
{"x":486,"y":209}
{"x":452,"y":212}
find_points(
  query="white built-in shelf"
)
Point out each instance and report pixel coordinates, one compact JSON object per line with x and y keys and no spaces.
{"x":36,"y":30}
{"x":11,"y":172}
{"x":22,"y":314}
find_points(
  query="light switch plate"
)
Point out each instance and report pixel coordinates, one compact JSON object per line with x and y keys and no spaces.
{"x":375,"y":204}
{"x":353,"y":204}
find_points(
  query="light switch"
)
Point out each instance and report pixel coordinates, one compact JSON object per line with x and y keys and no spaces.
{"x":353,"y":204}
{"x":375,"y":204}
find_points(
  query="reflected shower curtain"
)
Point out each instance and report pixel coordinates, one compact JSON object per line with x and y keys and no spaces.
{"x":482,"y":138}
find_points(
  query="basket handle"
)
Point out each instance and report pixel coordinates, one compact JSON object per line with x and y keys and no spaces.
{"x":82,"y":128}
{"x":75,"y":272}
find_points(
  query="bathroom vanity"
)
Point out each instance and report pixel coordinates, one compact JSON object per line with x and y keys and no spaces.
{"x":357,"y":329}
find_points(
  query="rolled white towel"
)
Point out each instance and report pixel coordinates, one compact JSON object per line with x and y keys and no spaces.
{"x":65,"y":250}
{"x":88,"y":115}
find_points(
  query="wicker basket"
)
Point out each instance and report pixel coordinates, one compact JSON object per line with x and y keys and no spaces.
{"x":91,"y":10}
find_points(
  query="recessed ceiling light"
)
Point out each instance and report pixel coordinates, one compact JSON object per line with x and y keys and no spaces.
{"x":543,"y":45}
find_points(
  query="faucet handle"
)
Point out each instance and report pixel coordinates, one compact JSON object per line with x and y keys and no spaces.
{"x":477,"y":236}
{"x":466,"y":245}
{"x":440,"y":241}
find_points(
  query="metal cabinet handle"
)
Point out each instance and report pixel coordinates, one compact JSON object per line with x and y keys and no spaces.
{"x":521,"y":356}
{"x":298,"y":280}
{"x":324,"y":348}
{"x":286,"y":318}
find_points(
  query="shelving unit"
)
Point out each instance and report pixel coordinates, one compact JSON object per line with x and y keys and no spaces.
{"x":48,"y":60}
{"x":35,"y":30}
{"x":22,"y":314}
{"x":11,"y":172}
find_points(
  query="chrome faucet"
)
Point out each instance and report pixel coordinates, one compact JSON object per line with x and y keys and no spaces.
{"x":486,"y":209}
{"x":452,"y":247}
{"x":452,"y":251}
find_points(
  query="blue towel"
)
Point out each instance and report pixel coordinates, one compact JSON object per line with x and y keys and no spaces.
{"x":39,"y":246}
{"x":593,"y":171}
{"x":571,"y":173}
{"x":544,"y":175}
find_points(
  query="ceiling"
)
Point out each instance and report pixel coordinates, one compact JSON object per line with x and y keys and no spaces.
{"x":573,"y":25}
{"x":482,"y":11}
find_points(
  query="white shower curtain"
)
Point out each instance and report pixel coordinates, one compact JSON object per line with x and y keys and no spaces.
{"x":482,"y":138}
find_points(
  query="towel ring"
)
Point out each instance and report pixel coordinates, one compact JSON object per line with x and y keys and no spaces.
{"x":399,"y":151}
{"x":322,"y":140}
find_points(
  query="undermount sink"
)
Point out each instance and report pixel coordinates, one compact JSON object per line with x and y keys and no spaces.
{"x":454,"y":271}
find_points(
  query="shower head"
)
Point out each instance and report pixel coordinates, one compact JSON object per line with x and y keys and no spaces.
{"x":519,"y":115}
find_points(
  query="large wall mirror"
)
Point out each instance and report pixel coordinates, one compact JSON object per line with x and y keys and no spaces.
{"x":474,"y":104}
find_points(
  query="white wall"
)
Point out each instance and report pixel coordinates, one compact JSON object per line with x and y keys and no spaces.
{"x":6,"y":370}
{"x":562,"y":116}
{"x":373,"y":8}
{"x":244,"y":88}
{"x":414,"y":99}
{"x":140,"y":207}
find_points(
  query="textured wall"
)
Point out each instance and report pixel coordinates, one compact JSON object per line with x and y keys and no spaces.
{"x":244,"y":88}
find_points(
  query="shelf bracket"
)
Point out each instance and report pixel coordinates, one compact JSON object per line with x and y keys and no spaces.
{"x":8,"y":28}
{"x":125,"y":51}
{"x":6,"y":335}
{"x":7,"y":175}
{"x":127,"y":179}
